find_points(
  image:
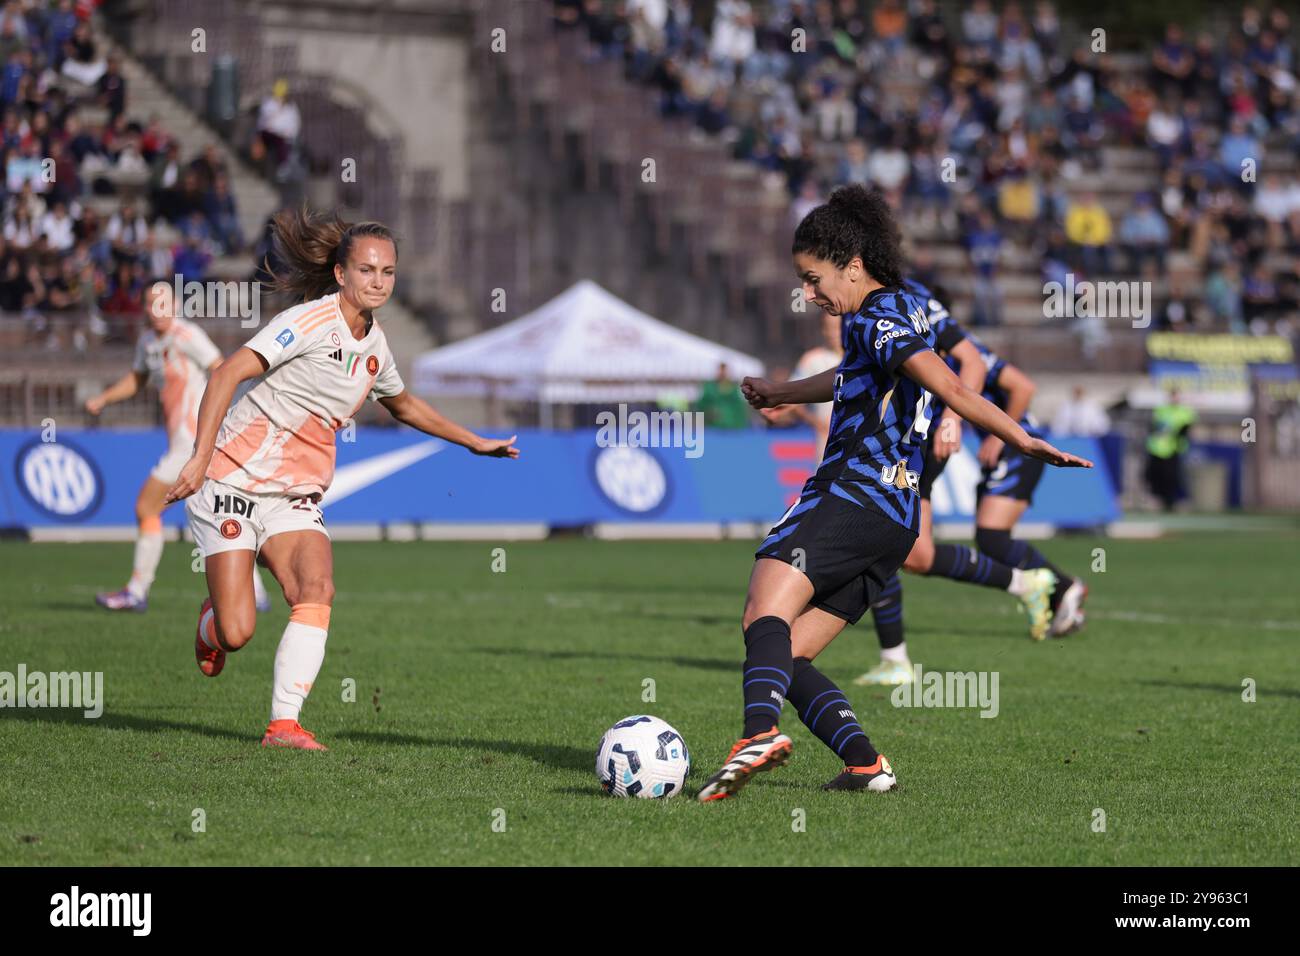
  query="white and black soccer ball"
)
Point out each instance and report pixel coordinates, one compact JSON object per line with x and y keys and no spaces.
{"x":642,"y":756}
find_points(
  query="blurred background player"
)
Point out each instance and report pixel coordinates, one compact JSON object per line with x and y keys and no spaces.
{"x":816,"y":360}
{"x":175,"y":356}
{"x":265,"y":450}
{"x":1006,"y":490}
{"x":1032,"y":588}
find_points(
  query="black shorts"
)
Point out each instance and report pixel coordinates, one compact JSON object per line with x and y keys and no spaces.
{"x":1015,"y":476}
{"x":930,"y":471}
{"x":848,"y":551}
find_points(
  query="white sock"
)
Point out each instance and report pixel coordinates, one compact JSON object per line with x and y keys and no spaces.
{"x":259,"y":589}
{"x":896,"y":654}
{"x":208,"y":623}
{"x":148,"y":552}
{"x":297,"y":662}
{"x":1018,"y":585}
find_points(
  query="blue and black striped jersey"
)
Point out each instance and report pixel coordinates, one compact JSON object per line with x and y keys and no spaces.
{"x":947,"y":333}
{"x":880,"y":416}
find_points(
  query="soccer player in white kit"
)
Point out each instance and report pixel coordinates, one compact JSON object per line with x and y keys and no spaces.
{"x":175,"y":356}
{"x":264,"y":454}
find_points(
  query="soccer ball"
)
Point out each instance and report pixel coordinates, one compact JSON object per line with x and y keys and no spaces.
{"x":642,"y":756}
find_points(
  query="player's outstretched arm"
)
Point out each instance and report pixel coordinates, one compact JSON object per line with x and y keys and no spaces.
{"x":929,"y":371}
{"x":761,"y":393}
{"x":420,"y":415}
{"x":243,"y":364}
{"x":119,"y":391}
{"x":1020,"y":389}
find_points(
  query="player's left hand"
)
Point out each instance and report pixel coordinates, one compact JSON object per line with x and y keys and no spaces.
{"x":990,"y":451}
{"x":496,"y":447}
{"x":778,"y":414}
{"x":1037,"y":448}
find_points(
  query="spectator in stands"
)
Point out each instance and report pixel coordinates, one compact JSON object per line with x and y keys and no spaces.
{"x":1144,"y":236}
{"x":59,"y":30}
{"x":1080,"y":416}
{"x":1175,"y":313}
{"x":81,"y":63}
{"x":57,"y":228}
{"x":165,"y":181}
{"x":1236,"y":148}
{"x":648,"y":28}
{"x":278,"y":124}
{"x":1223,"y":296}
{"x":112,"y":89}
{"x":15,"y":288}
{"x":1088,"y":228}
{"x":733,"y":32}
{"x":126,"y":231}
{"x":221,"y":214}
{"x":889,"y":23}
{"x":191,"y":256}
{"x":124,"y":290}
{"x":19,"y":230}
{"x":888,"y":166}
{"x":984,"y":249}
{"x":1172,"y":64}
{"x":979,"y":26}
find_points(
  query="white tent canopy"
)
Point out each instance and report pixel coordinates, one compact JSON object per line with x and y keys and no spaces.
{"x":585,"y":345}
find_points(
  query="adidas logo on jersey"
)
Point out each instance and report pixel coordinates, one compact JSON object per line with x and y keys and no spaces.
{"x":337,"y":355}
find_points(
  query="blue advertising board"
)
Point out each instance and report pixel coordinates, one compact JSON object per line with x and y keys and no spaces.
{"x":562,"y":479}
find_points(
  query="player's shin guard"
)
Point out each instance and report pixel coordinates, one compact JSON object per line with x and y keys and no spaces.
{"x":887,"y":615}
{"x":298,"y":659}
{"x":768,"y":667}
{"x":966,"y":564}
{"x":998,"y":544}
{"x":826,"y":712}
{"x":148,"y":552}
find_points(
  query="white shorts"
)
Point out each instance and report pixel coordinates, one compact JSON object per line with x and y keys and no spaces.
{"x":224,"y":518}
{"x":173,"y":460}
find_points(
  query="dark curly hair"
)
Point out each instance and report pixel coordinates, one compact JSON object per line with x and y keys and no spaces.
{"x":855,"y":221}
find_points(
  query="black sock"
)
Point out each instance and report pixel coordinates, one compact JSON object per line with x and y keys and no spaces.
{"x":767,"y":673}
{"x":1021,"y":554}
{"x":826,"y":712}
{"x":966,"y":564}
{"x":887,"y":614}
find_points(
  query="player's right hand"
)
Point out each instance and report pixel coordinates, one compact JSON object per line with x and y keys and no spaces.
{"x":95,"y":405}
{"x":1037,"y":448}
{"x":496,"y":447}
{"x":190,"y":481}
{"x":759,"y":392}
{"x":947,"y":437}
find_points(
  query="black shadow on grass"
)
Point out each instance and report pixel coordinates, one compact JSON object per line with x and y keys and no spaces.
{"x":118,"y":721}
{"x":1224,"y":688}
{"x":552,"y":755}
{"x":703,"y":663}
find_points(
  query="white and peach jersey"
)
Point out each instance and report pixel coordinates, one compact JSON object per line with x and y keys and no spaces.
{"x":177,"y":363}
{"x":278,"y":434}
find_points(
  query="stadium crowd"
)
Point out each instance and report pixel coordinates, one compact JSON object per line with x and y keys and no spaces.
{"x":96,"y":201}
{"x":982,"y":124}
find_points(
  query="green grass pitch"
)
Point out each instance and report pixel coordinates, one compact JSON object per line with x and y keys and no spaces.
{"x":480,"y":698}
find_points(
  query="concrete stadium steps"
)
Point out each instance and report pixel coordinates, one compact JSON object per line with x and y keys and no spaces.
{"x":146,"y":97}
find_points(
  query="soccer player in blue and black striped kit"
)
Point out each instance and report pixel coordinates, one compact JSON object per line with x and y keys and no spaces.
{"x":857,"y":517}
